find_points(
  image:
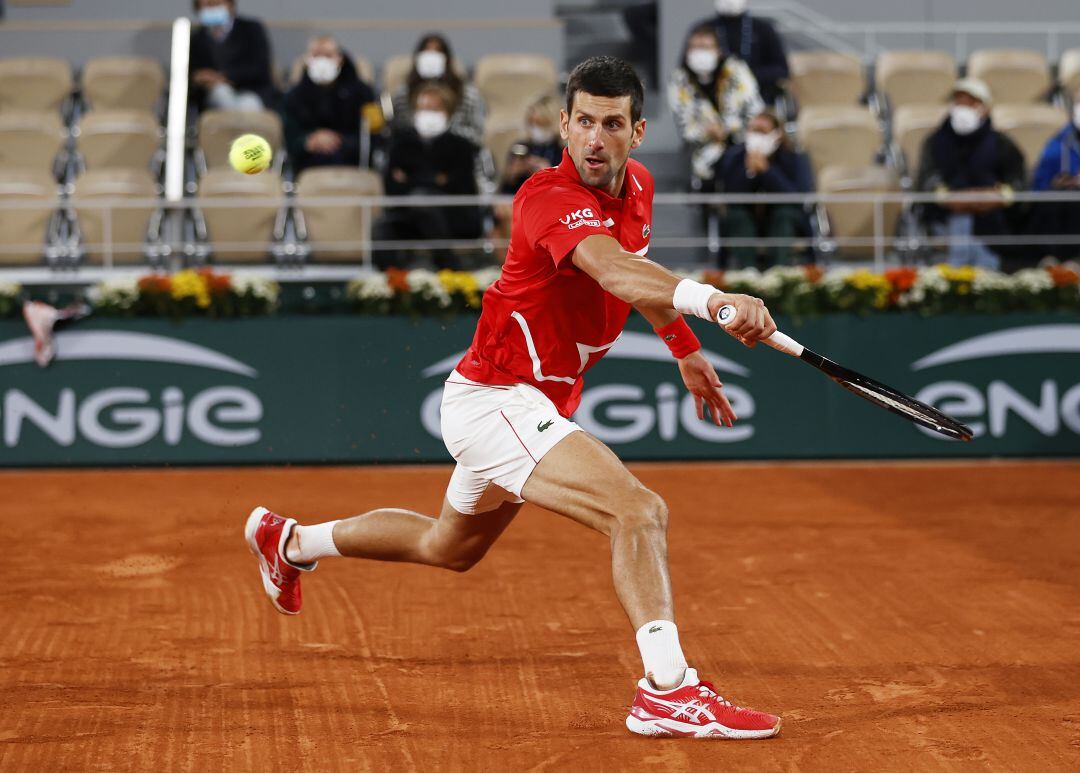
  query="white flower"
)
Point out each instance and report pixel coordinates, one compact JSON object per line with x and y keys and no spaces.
{"x":835,"y":279}
{"x":1033,"y":280}
{"x":426,"y":284}
{"x":257,"y":285}
{"x":743,"y":280}
{"x":119,"y":291}
{"x":486,"y":277}
{"x":372,"y":287}
{"x":992,"y":281}
{"x":10,"y":289}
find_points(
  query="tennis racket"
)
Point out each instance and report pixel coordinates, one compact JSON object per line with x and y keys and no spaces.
{"x":867,"y":388}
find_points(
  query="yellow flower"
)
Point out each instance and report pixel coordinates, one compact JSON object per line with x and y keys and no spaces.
{"x":190,"y":284}
{"x":958,"y":273}
{"x":876,"y":283}
{"x":461,"y":283}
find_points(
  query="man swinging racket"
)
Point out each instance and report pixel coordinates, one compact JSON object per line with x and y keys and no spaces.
{"x":574,"y":269}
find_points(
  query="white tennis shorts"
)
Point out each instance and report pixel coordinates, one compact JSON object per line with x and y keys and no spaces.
{"x":497,"y":435}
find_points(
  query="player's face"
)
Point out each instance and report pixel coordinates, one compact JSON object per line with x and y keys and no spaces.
{"x":599,"y":136}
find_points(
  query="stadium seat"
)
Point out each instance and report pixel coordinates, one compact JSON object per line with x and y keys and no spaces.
{"x":363,"y":67}
{"x":1030,"y":127}
{"x":123,"y":83}
{"x":1014,"y":75}
{"x":856,"y":220}
{"x":1069,"y":71}
{"x":242,"y":234}
{"x":834,"y":134}
{"x":125,"y":228}
{"x":825,"y":78}
{"x":396,"y":70}
{"x":498,"y":139}
{"x":30,"y":139}
{"x":914,"y":77}
{"x":23,"y":232}
{"x":343,"y":223}
{"x":118,"y":139}
{"x":34,"y":83}
{"x":218,"y":129}
{"x":911,"y":125}
{"x":509,"y":83}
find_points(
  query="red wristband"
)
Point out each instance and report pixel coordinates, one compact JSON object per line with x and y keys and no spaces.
{"x":680,"y":339}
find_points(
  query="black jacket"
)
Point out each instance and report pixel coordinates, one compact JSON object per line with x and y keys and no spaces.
{"x":788,"y":172}
{"x":422,"y":162}
{"x":756,"y":42}
{"x":243,"y":57}
{"x":335,"y":106}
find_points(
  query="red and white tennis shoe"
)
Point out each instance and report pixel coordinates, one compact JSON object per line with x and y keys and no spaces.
{"x":694,"y":710}
{"x":267,"y":534}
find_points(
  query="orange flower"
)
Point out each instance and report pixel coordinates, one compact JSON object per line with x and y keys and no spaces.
{"x":714,"y":278}
{"x":217,"y":284}
{"x":813,"y":273}
{"x":1063,"y":276}
{"x":398,"y":279}
{"x":901,"y":279}
{"x":155,"y":283}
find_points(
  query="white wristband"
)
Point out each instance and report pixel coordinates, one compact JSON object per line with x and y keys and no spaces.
{"x":693,"y":298}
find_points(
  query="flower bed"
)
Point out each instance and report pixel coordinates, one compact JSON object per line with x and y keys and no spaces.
{"x":186,"y":293}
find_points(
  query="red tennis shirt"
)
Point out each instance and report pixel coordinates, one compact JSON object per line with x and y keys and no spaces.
{"x":545,"y":322}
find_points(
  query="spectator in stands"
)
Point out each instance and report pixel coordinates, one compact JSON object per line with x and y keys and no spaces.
{"x":230,"y":60}
{"x":755,"y":41}
{"x":966,"y":153}
{"x":713,"y":96}
{"x":323,"y":110}
{"x":429,"y":159}
{"x":765,"y":163}
{"x":1059,"y":170}
{"x":433,"y":63}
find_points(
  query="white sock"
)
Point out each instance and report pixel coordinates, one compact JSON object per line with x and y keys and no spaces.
{"x":313,"y":543}
{"x":661,"y":654}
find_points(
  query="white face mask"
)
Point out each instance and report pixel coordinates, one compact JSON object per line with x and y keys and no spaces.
{"x":756,"y":142}
{"x":430,"y":123}
{"x":538,"y":135}
{"x":965,"y":119}
{"x":323,"y":69}
{"x":730,"y":7}
{"x":430,"y":64}
{"x":702,"y":61}
{"x":1076,"y":116}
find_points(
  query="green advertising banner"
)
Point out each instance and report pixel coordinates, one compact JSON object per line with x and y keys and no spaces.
{"x":317,"y":389}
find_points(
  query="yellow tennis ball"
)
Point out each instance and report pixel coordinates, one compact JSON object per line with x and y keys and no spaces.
{"x":250,"y":154}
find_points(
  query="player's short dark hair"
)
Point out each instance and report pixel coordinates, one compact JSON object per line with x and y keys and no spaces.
{"x":607,"y":76}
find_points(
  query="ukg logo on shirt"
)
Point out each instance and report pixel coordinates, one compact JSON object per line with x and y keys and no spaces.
{"x":579,"y":218}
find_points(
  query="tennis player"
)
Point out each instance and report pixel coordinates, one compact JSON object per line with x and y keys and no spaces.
{"x":575,"y":267}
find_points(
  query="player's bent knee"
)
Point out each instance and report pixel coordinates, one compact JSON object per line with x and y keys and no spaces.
{"x":647,"y":511}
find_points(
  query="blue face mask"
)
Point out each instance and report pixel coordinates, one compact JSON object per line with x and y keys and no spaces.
{"x":214,"y":16}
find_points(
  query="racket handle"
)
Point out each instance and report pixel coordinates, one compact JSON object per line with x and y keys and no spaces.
{"x":779,"y":341}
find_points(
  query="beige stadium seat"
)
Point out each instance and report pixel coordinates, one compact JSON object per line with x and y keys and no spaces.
{"x":341,"y":224}
{"x":837,"y":135}
{"x":34,"y":83}
{"x":1030,"y":127}
{"x":509,"y":83}
{"x":1014,"y":75}
{"x":23,"y":231}
{"x":396,"y":71}
{"x":363,"y":65}
{"x":911,"y":125}
{"x":826,"y":78}
{"x":241,"y":234}
{"x":118,"y":139}
{"x":123,"y":228}
{"x":1069,"y":71}
{"x":914,"y":77}
{"x":218,"y":129}
{"x":123,"y":83}
{"x":499,"y":138}
{"x":856,"y":220}
{"x":30,"y":139}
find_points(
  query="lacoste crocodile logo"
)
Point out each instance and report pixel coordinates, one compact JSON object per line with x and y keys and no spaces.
{"x":544,"y":425}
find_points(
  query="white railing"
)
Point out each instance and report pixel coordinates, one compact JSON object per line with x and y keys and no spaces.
{"x":289,"y":255}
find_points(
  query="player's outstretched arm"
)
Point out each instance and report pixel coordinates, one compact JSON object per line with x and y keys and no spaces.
{"x":648,"y":285}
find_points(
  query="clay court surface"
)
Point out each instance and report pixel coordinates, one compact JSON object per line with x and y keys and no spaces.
{"x":900,"y":617}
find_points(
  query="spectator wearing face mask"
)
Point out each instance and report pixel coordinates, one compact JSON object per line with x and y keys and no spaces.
{"x":713,"y":96}
{"x":323,"y":110}
{"x":432,"y":62}
{"x":765,"y":163}
{"x":755,"y":41}
{"x":1059,"y":170}
{"x":230,"y":60}
{"x":429,"y":159}
{"x":966,"y":154}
